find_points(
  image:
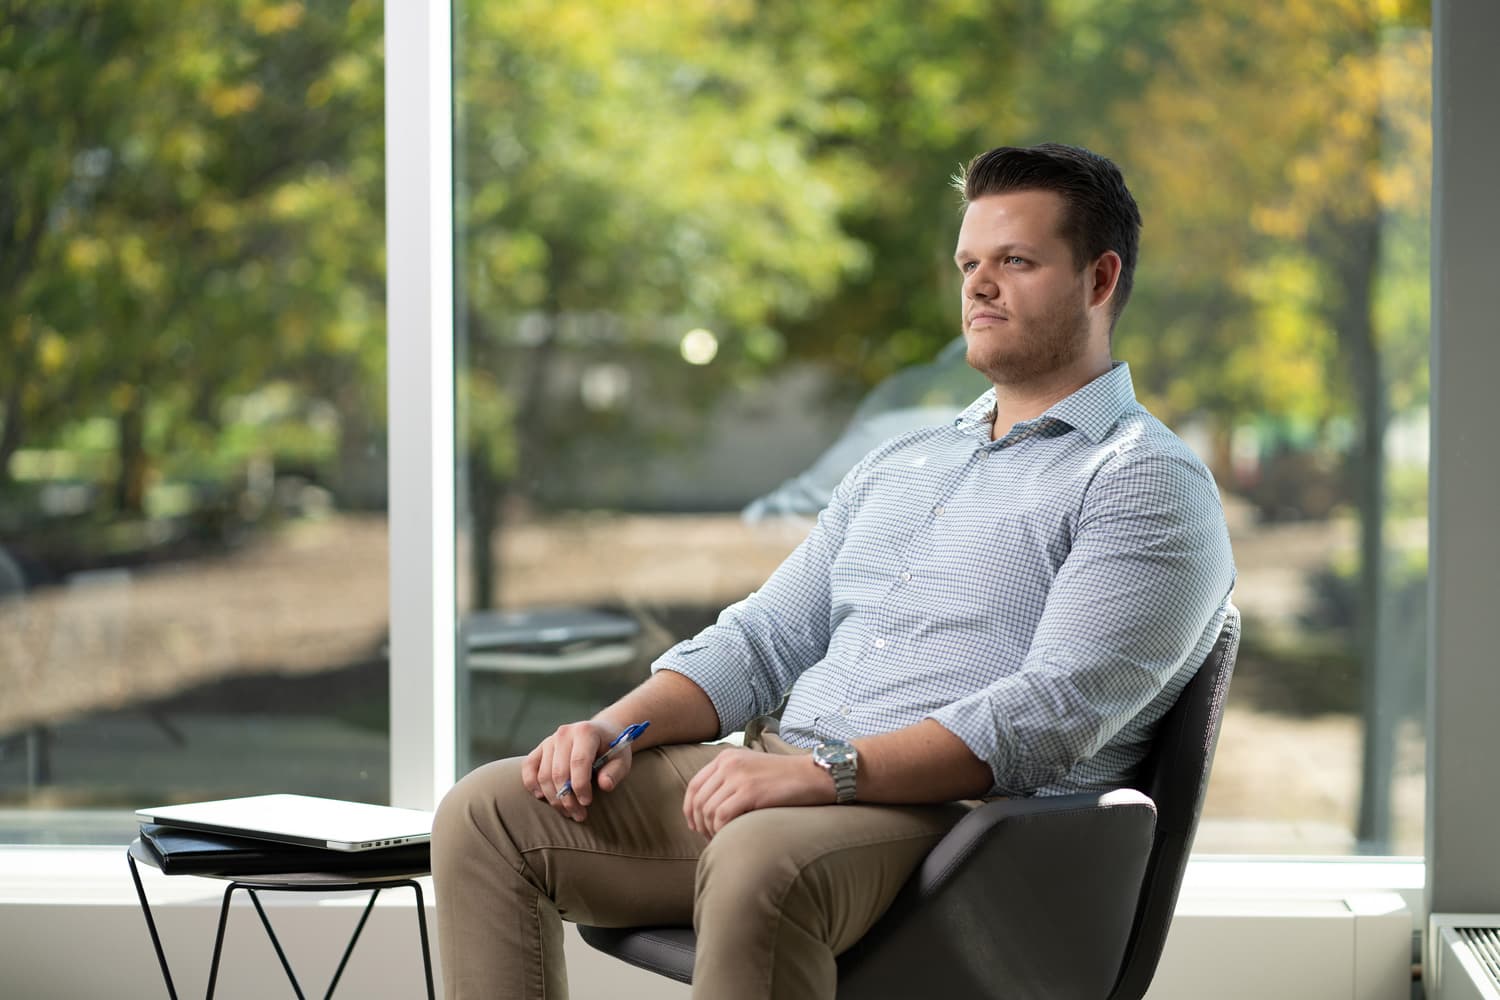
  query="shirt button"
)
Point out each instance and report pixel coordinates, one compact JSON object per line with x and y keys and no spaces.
{"x":938,"y":511}
{"x":906,"y":577}
{"x":879,"y":643}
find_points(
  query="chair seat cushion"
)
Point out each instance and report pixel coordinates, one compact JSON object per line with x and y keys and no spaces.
{"x":666,"y":951}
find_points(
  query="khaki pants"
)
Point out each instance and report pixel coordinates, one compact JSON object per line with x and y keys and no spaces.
{"x":774,"y":897}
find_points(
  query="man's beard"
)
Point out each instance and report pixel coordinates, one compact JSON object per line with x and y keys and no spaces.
{"x":1041,"y":347}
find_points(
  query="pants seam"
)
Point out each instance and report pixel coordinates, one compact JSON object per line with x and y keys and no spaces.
{"x":539,"y":968}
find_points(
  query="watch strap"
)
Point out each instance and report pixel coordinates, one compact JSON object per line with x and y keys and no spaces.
{"x":843,"y":782}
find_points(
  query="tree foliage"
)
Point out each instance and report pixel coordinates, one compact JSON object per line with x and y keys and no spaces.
{"x":777,"y":171}
{"x":194,"y":200}
{"x":1269,"y":187}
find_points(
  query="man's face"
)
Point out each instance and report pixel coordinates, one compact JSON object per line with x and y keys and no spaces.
{"x":1025,"y":300}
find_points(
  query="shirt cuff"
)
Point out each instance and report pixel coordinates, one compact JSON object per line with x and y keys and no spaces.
{"x":987,"y":736}
{"x":721,"y":677}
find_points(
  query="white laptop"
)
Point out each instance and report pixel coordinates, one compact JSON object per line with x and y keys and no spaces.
{"x":300,"y":819}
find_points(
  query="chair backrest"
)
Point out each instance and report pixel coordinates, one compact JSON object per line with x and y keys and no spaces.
{"x":1175,"y":775}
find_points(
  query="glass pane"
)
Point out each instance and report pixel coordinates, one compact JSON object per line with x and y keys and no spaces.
{"x":192,"y":475}
{"x":705,"y":264}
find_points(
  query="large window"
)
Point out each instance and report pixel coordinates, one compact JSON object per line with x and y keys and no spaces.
{"x":704,"y":262}
{"x":192,"y":421}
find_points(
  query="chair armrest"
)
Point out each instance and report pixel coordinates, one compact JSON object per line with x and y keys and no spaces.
{"x":1023,"y":898}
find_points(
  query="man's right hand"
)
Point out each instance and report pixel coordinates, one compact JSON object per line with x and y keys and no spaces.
{"x":568,"y":755}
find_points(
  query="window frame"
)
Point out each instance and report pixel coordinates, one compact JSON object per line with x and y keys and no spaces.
{"x":1463,"y":815}
{"x":420,"y":381}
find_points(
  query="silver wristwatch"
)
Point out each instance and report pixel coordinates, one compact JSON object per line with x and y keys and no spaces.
{"x":840,"y":760}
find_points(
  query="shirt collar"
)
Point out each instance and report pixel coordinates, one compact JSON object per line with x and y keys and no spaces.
{"x":1092,"y":410}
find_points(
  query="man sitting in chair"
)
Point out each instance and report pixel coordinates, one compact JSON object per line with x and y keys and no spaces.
{"x":1005,"y":604}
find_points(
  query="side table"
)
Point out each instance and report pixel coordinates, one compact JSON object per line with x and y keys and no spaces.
{"x":296,"y":881}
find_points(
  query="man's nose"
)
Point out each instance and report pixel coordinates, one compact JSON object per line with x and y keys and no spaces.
{"x":976,"y":286}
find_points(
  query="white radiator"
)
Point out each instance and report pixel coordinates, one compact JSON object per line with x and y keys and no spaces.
{"x":1463,"y":957}
{"x":1239,"y":946}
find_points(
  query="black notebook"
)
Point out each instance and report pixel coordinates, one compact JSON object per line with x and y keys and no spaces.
{"x":189,"y":852}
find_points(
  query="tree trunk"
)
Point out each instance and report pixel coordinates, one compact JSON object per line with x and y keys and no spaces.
{"x":491,"y":494}
{"x":360,"y":465}
{"x":130,"y":484}
{"x":10,"y":431}
{"x":1358,"y":255}
{"x":485,"y":493}
{"x":12,"y":416}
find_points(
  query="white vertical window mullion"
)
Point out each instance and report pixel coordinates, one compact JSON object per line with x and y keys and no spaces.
{"x":419,"y":313}
{"x":1463,"y":815}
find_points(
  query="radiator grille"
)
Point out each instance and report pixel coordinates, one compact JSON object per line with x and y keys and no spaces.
{"x":1484,"y":943}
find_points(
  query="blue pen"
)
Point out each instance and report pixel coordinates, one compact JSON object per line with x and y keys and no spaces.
{"x":627,"y":736}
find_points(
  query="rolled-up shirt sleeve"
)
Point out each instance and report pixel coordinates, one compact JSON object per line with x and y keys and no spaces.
{"x":1142,"y":591}
{"x":747,"y":660}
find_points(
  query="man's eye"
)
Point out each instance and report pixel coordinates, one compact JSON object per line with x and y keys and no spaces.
{"x":1015,"y":260}
{"x":967,"y":266}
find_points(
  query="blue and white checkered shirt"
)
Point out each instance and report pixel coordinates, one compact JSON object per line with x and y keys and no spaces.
{"x":1044,"y":597}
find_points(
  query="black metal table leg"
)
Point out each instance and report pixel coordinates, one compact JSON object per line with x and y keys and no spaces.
{"x":161,"y":956}
{"x":252,"y":889}
{"x":422,"y":929}
{"x":276,"y":942}
{"x":213,"y":968}
{"x":343,"y":961}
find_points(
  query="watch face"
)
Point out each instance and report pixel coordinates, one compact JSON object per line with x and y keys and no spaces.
{"x":835,"y":753}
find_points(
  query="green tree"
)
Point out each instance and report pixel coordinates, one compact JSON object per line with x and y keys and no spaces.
{"x":62,"y":102}
{"x":197,"y":199}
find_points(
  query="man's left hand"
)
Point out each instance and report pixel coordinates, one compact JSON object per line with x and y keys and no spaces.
{"x":737,"y":781}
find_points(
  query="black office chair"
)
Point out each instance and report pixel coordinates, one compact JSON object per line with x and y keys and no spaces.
{"x":1059,"y":897}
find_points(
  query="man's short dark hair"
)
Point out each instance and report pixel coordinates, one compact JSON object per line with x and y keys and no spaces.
{"x":1099,"y":212}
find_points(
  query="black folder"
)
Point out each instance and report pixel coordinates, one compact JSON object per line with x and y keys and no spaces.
{"x":189,"y":852}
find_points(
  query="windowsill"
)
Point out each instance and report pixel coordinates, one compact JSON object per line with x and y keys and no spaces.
{"x":1283,"y":873}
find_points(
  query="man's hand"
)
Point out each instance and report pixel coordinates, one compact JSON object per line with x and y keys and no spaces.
{"x":568,"y":755}
{"x":737,"y":781}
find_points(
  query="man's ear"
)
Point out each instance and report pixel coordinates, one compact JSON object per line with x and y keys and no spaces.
{"x":1104,"y":275}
